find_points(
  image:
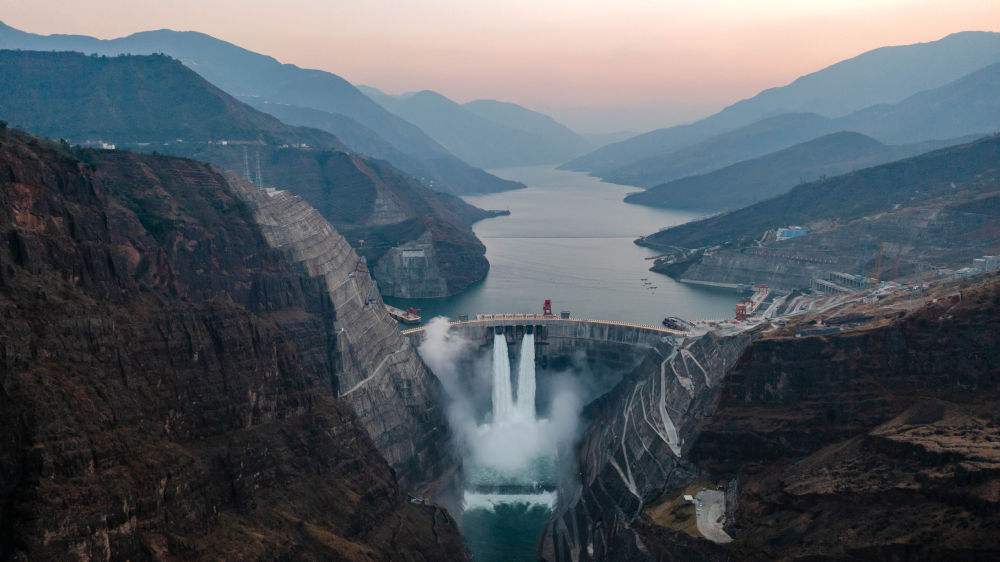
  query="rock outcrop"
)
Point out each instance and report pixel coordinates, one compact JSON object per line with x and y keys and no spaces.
{"x":168,"y":377}
{"x":874,"y":443}
{"x":636,"y":444}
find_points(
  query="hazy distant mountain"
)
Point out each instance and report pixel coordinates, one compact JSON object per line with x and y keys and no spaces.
{"x":751,"y":141}
{"x":753,"y":180}
{"x":850,"y":196}
{"x":602,"y":139}
{"x":362,"y":139}
{"x":44,"y":93}
{"x":533,"y":122}
{"x":967,"y":106}
{"x":486,"y":133}
{"x":155,"y":103}
{"x":970,"y":104}
{"x":241,"y":72}
{"x":881,"y":76}
{"x":387,"y":101}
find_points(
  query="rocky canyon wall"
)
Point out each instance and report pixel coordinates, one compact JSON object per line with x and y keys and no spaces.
{"x":169,"y":380}
{"x":636,"y":443}
{"x":375,"y":369}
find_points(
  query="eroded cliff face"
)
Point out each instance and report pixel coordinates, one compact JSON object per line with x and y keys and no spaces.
{"x":169,"y":378}
{"x":636,"y":443}
{"x":879,"y":443}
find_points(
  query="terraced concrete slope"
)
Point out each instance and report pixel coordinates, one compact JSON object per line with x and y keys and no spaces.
{"x":170,"y":377}
{"x":377,"y":373}
{"x":878,"y":442}
{"x":637,"y":442}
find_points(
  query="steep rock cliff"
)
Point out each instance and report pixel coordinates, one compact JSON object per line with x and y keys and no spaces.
{"x":166,"y":378}
{"x":375,"y":370}
{"x":878,"y":442}
{"x":636,"y":443}
{"x":874,"y":443}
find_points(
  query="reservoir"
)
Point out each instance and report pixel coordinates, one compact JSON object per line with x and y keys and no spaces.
{"x":569,"y":238}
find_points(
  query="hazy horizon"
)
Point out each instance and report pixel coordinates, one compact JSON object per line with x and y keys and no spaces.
{"x":596,"y":65}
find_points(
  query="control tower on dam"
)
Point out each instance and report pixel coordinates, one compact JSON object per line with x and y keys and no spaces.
{"x":558,"y":339}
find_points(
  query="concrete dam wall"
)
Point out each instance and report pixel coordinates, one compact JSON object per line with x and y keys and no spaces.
{"x":557,"y":340}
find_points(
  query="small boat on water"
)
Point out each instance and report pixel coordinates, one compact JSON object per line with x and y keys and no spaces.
{"x":408,"y":316}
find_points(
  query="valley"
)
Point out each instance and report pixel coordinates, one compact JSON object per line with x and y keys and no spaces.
{"x":258,"y":305}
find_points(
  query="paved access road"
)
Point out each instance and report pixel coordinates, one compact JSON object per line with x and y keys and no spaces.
{"x":710,"y":512}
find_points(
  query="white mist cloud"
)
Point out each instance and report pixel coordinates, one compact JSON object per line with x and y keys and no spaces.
{"x":511,"y":446}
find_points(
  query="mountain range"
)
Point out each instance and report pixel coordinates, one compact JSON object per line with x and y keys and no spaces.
{"x":486,"y":133}
{"x":939,"y":175}
{"x":966,"y":106}
{"x":749,"y":181}
{"x":243,"y":73}
{"x":155,"y":103}
{"x":887,"y":75}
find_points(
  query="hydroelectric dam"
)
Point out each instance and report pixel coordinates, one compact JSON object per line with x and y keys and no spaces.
{"x":557,"y":339}
{"x":518,"y":384}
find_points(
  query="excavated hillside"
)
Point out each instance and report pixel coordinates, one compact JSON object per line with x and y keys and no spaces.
{"x":169,"y":377}
{"x":877,"y":442}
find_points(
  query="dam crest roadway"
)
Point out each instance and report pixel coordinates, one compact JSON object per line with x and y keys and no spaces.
{"x":621,"y":344}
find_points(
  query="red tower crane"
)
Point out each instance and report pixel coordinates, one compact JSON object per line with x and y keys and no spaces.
{"x":547,"y":308}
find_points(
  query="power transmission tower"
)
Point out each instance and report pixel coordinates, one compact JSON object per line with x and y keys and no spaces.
{"x":260,"y":178}
{"x":246,"y":165}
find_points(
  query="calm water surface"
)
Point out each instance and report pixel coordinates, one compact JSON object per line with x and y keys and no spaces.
{"x":569,"y":238}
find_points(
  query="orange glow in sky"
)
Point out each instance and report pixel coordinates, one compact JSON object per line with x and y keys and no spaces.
{"x":684,"y":58}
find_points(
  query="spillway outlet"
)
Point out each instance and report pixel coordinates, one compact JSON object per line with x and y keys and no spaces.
{"x":513,"y":489}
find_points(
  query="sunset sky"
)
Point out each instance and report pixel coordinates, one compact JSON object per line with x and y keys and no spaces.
{"x":597,"y":65}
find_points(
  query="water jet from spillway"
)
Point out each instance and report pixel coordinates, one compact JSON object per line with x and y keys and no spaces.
{"x":503,"y":396}
{"x":526,"y":378}
{"x":510,"y":449}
